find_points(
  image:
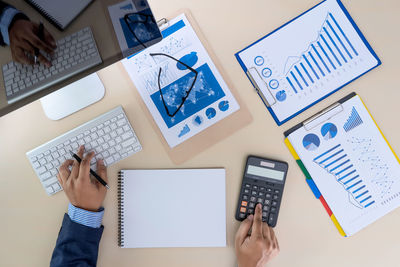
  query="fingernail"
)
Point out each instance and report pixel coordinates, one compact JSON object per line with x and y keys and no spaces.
{"x":250,"y":217}
{"x":101,"y":162}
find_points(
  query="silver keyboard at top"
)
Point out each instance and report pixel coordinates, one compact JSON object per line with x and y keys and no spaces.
{"x":74,"y":54}
{"x":110,"y":136}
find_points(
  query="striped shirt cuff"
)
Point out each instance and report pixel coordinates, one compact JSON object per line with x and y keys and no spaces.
{"x":88,"y":218}
{"x":5,"y":21}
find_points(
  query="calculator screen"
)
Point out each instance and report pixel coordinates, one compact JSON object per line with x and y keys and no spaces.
{"x":266,"y":173}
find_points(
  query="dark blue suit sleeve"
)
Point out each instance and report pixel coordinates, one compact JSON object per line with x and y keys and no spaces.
{"x":3,"y":6}
{"x":77,"y":245}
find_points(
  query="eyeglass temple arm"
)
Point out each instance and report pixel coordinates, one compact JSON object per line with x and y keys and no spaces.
{"x":183,"y":98}
{"x":183,"y":63}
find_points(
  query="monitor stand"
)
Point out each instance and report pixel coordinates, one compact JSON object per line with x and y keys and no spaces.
{"x":73,"y":97}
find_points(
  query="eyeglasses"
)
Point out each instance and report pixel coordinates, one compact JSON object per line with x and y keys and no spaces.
{"x":187,"y":92}
{"x":134,"y":20}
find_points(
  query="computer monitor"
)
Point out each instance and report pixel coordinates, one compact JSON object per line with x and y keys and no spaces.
{"x":89,"y":35}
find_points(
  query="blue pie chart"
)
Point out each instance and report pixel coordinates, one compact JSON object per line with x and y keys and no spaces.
{"x":281,"y":96}
{"x":329,"y":131}
{"x":311,"y":142}
{"x":210,"y":113}
{"x":223,"y":105}
{"x":189,"y":59}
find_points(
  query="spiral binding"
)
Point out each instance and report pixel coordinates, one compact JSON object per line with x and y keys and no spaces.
{"x":120,"y":209}
{"x":45,"y":13}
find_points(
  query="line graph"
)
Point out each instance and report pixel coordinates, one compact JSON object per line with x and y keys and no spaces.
{"x":337,"y":163}
{"x":331,"y":50}
{"x":149,"y":79}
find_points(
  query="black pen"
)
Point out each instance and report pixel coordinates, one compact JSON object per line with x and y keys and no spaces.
{"x":92,"y":172}
{"x":41,"y":37}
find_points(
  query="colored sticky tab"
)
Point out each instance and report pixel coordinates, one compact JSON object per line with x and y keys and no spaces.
{"x":336,"y":223}
{"x":291,"y":149}
{"x":313,"y":188}
{"x":328,"y":210}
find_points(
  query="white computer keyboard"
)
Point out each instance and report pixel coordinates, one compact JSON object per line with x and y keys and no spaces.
{"x":74,"y":54}
{"x":110,"y":136}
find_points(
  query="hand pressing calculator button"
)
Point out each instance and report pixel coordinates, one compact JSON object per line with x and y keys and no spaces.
{"x":263,"y":182}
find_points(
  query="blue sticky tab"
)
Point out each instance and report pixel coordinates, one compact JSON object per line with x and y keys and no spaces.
{"x":313,"y":188}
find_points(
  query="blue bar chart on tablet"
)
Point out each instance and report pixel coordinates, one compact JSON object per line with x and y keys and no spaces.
{"x":307,"y":59}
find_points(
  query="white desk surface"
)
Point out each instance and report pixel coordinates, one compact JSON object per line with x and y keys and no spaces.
{"x":30,"y":220}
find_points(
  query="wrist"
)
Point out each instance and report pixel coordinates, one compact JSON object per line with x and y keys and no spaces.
{"x":87,"y":207}
{"x":91,"y":219}
{"x":17,"y":17}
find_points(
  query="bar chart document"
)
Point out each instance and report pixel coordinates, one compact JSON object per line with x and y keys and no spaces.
{"x":351,"y":163}
{"x":307,"y":59}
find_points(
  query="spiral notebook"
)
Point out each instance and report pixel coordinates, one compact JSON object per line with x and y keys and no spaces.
{"x":59,"y":12}
{"x":171,"y":208}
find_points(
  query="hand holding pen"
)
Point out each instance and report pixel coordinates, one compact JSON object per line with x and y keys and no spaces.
{"x":26,"y":38}
{"x":83,"y":191}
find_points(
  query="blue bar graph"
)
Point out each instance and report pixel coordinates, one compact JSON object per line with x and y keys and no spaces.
{"x":352,"y":179}
{"x":311,"y":67}
{"x":335,"y":45}
{"x":308,"y":74}
{"x":291,"y":84}
{"x":340,"y":40}
{"x":320,"y":58}
{"x":353,"y":121}
{"x":331,"y":50}
{"x":363,"y":193}
{"x":326,"y":55}
{"x":344,"y":35}
{"x":338,"y":164}
{"x":316,"y":63}
{"x":301,"y":75}
{"x":297,"y":81}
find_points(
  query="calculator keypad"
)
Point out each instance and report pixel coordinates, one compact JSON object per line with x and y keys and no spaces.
{"x":269,"y":197}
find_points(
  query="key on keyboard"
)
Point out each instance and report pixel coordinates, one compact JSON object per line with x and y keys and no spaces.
{"x":110,"y":136}
{"x":74,"y":54}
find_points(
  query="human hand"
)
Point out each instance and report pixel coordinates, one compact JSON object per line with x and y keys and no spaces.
{"x":82,"y":191}
{"x":257,"y":249}
{"x":23,"y":38}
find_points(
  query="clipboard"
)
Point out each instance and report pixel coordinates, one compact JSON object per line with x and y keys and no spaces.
{"x":311,"y":123}
{"x":213,"y":134}
{"x":264,"y":88}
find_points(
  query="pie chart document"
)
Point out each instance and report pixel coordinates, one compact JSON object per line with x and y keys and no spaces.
{"x":350,"y":162}
{"x":307,"y":59}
